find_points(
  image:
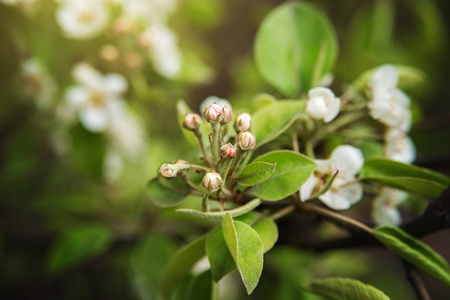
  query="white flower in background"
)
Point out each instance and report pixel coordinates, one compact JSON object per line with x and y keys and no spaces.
{"x":163,"y":48}
{"x":82,"y":19}
{"x":97,"y":99}
{"x":399,"y":146}
{"x":148,"y":11}
{"x":343,"y":192}
{"x":38,"y":82}
{"x":322,"y":104}
{"x":389,"y":105}
{"x":384,"y":209}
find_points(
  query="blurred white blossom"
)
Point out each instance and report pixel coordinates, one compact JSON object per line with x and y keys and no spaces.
{"x":322,"y":104}
{"x":82,"y":19}
{"x":38,"y":83}
{"x":389,"y":105}
{"x":399,"y":146}
{"x":384,"y":209}
{"x":163,"y":50}
{"x":348,"y":161}
{"x":148,"y":11}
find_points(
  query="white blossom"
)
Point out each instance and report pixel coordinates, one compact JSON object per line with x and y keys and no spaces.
{"x":389,"y":105}
{"x":97,"y":98}
{"x":384,"y":209}
{"x":82,"y":19}
{"x":399,"y":146}
{"x":163,"y":49}
{"x":322,"y":104}
{"x":348,"y":161}
{"x":148,"y":11}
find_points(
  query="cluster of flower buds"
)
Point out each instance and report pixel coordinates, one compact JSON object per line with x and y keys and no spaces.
{"x":214,"y":113}
{"x":176,"y":168}
{"x":212,"y":181}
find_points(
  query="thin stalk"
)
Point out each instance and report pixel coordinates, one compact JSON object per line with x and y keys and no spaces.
{"x":189,"y":183}
{"x":281,"y":213}
{"x":201,"y":145}
{"x":335,"y":217}
{"x":239,"y":155}
{"x":214,"y":290}
{"x":416,"y":282}
{"x":226,"y":168}
{"x":295,"y":145}
{"x":198,"y":167}
{"x":205,"y":205}
{"x":244,"y":163}
{"x":215,"y":143}
{"x":338,"y":124}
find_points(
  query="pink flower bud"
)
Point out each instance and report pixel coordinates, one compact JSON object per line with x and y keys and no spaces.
{"x":227,"y":151}
{"x":212,"y":181}
{"x":168,"y":171}
{"x":191,"y":121}
{"x":246,"y":140}
{"x":214,"y":113}
{"x":226,"y":115}
{"x":243,"y":122}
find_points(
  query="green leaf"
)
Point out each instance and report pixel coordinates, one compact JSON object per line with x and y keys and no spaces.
{"x":268,"y":232}
{"x":403,"y":176}
{"x":346,"y":288}
{"x":218,"y":254}
{"x":181,"y":265}
{"x":256,"y":173}
{"x":199,"y":287}
{"x":272,"y":120}
{"x":77,"y":246}
{"x":414,"y":251}
{"x":292,"y":170}
{"x":167,"y":192}
{"x":293,"y":42}
{"x":246,"y":248}
{"x":220,"y":214}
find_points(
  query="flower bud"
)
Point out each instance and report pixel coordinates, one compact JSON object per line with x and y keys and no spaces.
{"x":191,"y":121}
{"x":227,"y":151}
{"x":214,"y":113}
{"x":246,"y":140}
{"x":168,"y":171}
{"x":226,"y":115}
{"x":243,"y":122}
{"x":212,"y":181}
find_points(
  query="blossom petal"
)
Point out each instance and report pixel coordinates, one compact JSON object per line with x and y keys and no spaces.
{"x":385,"y":77}
{"x":348,"y":160}
{"x":352,"y":192}
{"x":307,"y":188}
{"x":94,"y":119}
{"x":334,"y":106}
{"x":334,"y":200}
{"x":115,"y":83}
{"x":321,"y":92}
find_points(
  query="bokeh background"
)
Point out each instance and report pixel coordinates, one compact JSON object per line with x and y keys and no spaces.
{"x":75,"y":219}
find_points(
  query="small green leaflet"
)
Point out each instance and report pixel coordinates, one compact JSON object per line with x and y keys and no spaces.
{"x":345,"y":289}
{"x":255,"y":173}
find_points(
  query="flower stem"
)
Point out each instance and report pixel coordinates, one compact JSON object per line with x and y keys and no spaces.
{"x":215,"y":143}
{"x":335,"y":217}
{"x":198,"y":167}
{"x":225,"y":168}
{"x":281,"y":213}
{"x":206,"y":157}
{"x":205,"y":206}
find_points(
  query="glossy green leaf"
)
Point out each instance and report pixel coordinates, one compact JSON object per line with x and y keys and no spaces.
{"x":293,"y":42}
{"x":414,"y":251}
{"x":256,"y":173}
{"x":220,"y":214}
{"x":292,"y":170}
{"x":167,"y":192}
{"x":181,"y":265}
{"x":403,"y":176}
{"x":273,"y":119}
{"x":345,"y":289}
{"x":218,"y":254}
{"x":246,"y":247}
{"x":77,"y":246}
